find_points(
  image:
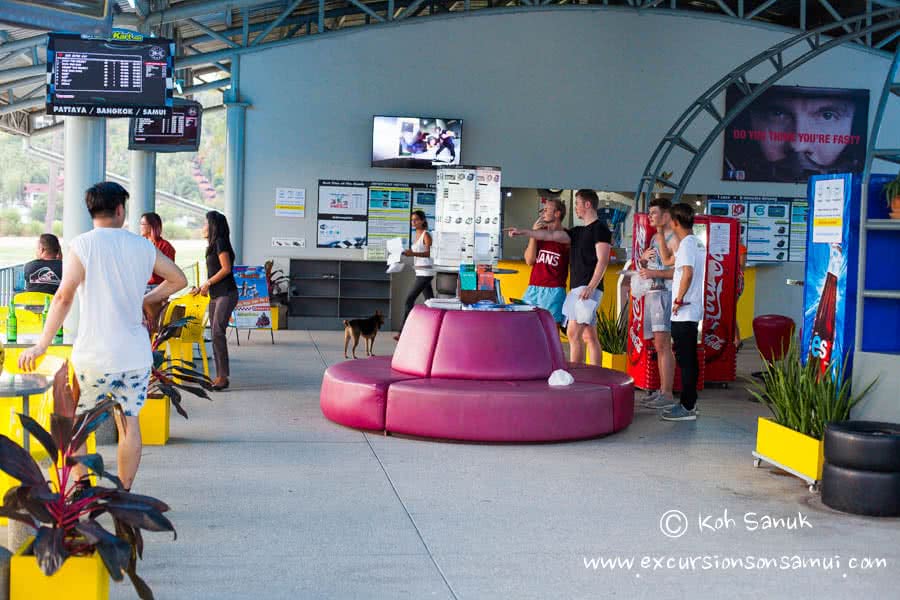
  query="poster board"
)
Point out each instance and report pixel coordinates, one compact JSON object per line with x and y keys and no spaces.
{"x":342,"y":215}
{"x":253,"y":310}
{"x":791,"y":132}
{"x":773,"y":229}
{"x":424,"y":198}
{"x":467,"y":216}
{"x":388,"y":217}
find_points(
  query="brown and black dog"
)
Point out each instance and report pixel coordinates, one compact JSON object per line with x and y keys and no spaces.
{"x":367,"y":328}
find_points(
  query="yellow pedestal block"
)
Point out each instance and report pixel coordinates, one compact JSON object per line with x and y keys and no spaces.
{"x":79,"y":578}
{"x":154,"y":420}
{"x":788,"y":449}
{"x":616,"y":362}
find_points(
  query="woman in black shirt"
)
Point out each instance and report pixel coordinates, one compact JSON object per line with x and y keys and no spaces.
{"x":222,"y":290}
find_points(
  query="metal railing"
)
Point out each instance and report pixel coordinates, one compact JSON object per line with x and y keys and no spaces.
{"x":10,"y":274}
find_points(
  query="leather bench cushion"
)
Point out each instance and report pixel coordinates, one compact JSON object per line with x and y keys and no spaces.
{"x":415,"y":350}
{"x":486,"y":345}
{"x":498,"y":411}
{"x":354,"y":392}
{"x":621,"y":384}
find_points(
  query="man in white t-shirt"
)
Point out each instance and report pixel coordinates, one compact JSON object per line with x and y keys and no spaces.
{"x":109,"y":267}
{"x":687,"y":309}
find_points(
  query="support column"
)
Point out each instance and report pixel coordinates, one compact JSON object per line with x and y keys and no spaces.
{"x":235,"y":117}
{"x":85,"y":165}
{"x":142,"y":192}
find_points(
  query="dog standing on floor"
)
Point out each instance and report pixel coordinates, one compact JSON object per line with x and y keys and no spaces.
{"x":367,"y":328}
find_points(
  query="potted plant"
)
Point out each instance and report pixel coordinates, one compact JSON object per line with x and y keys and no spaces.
{"x":168,"y":378}
{"x":70,"y":544}
{"x":892,"y":197}
{"x":803,"y":400}
{"x":612,"y":331}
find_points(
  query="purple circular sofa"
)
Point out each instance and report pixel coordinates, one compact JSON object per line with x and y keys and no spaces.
{"x":477,"y":376}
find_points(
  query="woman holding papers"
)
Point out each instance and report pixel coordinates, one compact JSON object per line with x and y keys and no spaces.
{"x":421,"y":251}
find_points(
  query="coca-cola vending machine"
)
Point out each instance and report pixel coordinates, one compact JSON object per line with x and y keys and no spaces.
{"x":721,"y":236}
{"x":716,"y":350}
{"x":832,"y":253}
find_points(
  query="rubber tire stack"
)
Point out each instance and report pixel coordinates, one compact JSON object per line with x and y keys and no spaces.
{"x":862,"y":468}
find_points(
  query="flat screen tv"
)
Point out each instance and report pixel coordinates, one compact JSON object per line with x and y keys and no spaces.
{"x":177,"y":133}
{"x":415,"y":142}
{"x":128,"y":76}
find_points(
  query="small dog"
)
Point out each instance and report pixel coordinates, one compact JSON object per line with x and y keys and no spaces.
{"x":367,"y":328}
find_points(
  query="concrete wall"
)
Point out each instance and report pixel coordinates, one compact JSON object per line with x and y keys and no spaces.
{"x":562,"y":98}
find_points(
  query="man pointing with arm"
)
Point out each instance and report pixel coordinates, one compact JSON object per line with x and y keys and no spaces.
{"x":589,"y":257}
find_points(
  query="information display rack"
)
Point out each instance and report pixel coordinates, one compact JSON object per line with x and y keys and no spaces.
{"x":128,"y":76}
{"x":467,"y":216}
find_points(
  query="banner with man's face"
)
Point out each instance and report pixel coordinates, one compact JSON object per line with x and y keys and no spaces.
{"x":790,"y":133}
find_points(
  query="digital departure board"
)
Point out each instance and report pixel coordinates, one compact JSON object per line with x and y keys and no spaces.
{"x":177,"y":133}
{"x":128,"y":76}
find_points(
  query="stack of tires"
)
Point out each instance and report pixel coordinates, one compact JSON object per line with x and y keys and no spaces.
{"x":862,"y":468}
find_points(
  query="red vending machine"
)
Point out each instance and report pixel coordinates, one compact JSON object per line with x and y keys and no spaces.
{"x":716,"y":351}
{"x":720,"y":235}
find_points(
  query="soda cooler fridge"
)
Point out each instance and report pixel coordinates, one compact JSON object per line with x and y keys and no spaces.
{"x":716,"y":350}
{"x":832,"y":258}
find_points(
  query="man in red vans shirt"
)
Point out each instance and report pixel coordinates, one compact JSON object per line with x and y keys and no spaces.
{"x":549,"y":262}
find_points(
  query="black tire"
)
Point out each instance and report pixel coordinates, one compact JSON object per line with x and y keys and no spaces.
{"x":863,"y":445}
{"x":870,"y":493}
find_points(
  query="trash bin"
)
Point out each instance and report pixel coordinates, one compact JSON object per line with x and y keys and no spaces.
{"x":773,"y":335}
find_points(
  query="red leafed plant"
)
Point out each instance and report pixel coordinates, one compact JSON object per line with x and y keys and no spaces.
{"x":66,"y":514}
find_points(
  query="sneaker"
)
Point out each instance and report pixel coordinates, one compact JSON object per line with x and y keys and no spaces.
{"x":659,"y":401}
{"x":679,"y":413}
{"x":649,"y":396}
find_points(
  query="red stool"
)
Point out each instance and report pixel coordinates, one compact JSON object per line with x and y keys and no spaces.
{"x":773,"y":335}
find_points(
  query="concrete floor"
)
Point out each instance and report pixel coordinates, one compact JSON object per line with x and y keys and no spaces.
{"x":271,"y":500}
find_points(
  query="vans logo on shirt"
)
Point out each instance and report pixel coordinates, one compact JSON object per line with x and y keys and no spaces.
{"x":548,"y":257}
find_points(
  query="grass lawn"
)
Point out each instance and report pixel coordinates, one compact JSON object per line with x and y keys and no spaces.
{"x":17,"y":250}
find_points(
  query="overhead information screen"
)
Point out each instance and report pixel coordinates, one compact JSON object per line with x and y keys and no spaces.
{"x":177,"y":133}
{"x":129,"y":76}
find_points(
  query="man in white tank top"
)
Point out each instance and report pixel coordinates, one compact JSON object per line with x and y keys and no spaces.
{"x":109,"y":268}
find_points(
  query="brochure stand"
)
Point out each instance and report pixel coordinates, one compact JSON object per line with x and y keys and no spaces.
{"x":253,"y":310}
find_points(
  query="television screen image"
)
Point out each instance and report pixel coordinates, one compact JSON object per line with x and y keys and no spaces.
{"x":416,"y":142}
{"x":129,"y":76}
{"x":177,"y":133}
{"x":790,"y":133}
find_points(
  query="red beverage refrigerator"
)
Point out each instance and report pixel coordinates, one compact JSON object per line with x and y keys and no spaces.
{"x":717,"y":352}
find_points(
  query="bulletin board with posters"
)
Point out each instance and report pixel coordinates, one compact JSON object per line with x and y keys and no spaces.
{"x":789,"y":133}
{"x":365,"y":214}
{"x":773,"y":229}
{"x":253,"y":310}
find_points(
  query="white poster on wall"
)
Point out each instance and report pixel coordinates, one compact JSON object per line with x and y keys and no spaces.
{"x":828,"y":212}
{"x":488,"y":203}
{"x":290,"y":202}
{"x":454,"y":229}
{"x":342,"y":198}
{"x":343,"y":212}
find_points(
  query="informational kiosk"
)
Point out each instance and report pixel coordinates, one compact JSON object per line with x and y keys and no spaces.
{"x":468,"y":210}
